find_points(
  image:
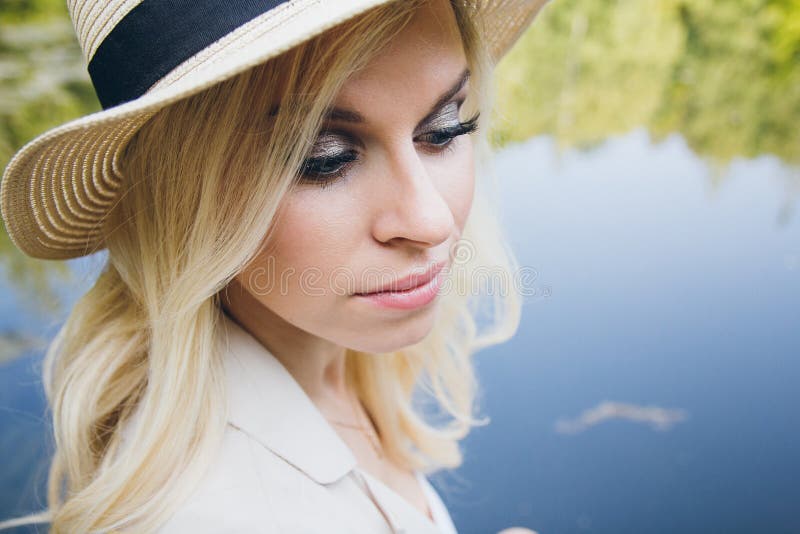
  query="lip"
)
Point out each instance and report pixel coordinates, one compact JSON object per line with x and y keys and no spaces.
{"x":425,"y":291}
{"x":413,"y":280}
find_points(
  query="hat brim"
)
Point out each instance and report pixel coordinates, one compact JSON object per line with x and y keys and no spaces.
{"x":57,"y":189}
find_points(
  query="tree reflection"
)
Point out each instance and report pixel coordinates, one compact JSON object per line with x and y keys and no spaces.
{"x":721,"y":73}
{"x":43,"y":83}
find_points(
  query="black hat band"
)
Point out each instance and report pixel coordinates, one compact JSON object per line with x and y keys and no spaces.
{"x":158,"y":35}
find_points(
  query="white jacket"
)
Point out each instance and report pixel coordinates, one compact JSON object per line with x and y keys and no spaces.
{"x":282,"y":469}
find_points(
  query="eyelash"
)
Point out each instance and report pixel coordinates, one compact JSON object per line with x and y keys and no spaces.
{"x":310,"y":172}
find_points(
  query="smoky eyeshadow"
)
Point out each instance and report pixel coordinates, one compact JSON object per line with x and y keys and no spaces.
{"x":446,"y":118}
{"x":330,"y":144}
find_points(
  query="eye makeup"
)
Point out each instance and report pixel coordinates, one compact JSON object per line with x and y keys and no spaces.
{"x":445,"y":118}
{"x":334,"y":151}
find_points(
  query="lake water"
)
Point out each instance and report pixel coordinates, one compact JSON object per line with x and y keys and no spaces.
{"x":652,"y":386}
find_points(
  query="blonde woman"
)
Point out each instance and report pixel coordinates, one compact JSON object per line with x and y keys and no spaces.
{"x":295,"y":205}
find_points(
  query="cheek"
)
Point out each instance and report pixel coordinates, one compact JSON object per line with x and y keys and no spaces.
{"x":306,"y":244}
{"x":311,"y":230}
{"x":458,"y":182}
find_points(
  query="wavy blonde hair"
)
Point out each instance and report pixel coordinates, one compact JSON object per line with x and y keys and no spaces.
{"x":203,"y":182}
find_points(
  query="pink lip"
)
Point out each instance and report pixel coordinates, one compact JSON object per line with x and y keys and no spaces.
{"x":409,"y":282}
{"x":410,"y":292}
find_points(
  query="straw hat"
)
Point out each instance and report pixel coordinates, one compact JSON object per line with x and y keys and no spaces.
{"x":143,"y":55}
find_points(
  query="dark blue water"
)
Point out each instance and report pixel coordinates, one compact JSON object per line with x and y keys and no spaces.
{"x":663,"y":285}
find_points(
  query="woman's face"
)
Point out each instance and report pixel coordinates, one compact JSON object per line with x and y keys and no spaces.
{"x":396,"y":209}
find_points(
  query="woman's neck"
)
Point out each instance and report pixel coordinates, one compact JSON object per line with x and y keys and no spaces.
{"x":317,"y":365}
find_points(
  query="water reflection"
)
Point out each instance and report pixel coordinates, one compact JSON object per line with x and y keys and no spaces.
{"x":654,"y":416}
{"x":13,"y":344}
{"x":671,"y":293}
{"x":659,"y":206}
{"x":670,"y":289}
{"x":721,"y":73}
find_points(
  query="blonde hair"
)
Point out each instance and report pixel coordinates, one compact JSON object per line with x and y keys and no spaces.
{"x":189,"y":220}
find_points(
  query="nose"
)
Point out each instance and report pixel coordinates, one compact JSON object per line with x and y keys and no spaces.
{"x":411,"y":206}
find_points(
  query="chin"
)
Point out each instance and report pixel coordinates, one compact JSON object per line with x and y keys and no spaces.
{"x":394,"y":337}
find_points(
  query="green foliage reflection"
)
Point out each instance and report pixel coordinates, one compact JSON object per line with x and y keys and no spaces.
{"x":43,"y":83}
{"x":722,"y":73}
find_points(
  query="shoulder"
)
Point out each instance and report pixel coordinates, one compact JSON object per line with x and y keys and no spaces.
{"x":250,"y":489}
{"x":228,"y":495}
{"x":246,"y":488}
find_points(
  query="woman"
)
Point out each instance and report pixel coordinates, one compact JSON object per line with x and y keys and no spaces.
{"x":296,"y":231}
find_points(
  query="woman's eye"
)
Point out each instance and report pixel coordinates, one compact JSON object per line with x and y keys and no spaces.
{"x":443,"y":136}
{"x":439,"y":138}
{"x":327,"y":165}
{"x":326,"y":169}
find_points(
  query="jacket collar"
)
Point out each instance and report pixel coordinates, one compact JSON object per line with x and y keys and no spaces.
{"x":266,"y":402}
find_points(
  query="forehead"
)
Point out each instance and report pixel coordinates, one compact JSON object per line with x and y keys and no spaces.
{"x":420,"y":62}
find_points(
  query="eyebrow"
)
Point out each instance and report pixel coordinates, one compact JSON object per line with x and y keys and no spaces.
{"x":348,"y":115}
